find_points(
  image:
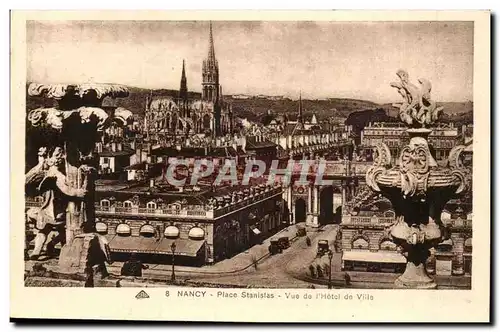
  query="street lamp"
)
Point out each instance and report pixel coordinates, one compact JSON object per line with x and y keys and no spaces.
{"x":172,"y":247}
{"x":330,"y":256}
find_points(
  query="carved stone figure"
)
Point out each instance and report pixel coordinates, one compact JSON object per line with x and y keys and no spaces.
{"x":65,"y":172}
{"x":417,"y":108}
{"x":49,"y":180}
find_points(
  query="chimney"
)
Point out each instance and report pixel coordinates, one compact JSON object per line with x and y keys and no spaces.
{"x":151,"y":183}
{"x":113,"y":146}
{"x":119,"y":146}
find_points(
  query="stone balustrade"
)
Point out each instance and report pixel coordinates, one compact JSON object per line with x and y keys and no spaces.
{"x":192,"y":212}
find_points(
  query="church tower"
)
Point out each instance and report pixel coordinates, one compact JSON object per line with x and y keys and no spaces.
{"x":183,"y":94}
{"x":183,"y":91}
{"x":211,"y":90}
{"x":300,"y":117}
{"x":210,"y":73}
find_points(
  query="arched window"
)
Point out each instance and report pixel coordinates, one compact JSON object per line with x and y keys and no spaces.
{"x":171,"y":232}
{"x":105,"y":202}
{"x":387,"y":244}
{"x":127,"y":204}
{"x":147,"y":231}
{"x":389,"y":214}
{"x":360,"y":243}
{"x":123,"y":230}
{"x":151,"y":205}
{"x":196,"y":233}
{"x":101,"y":228}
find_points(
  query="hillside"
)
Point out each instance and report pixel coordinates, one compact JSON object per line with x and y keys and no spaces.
{"x":256,"y":108}
{"x":450,"y":108}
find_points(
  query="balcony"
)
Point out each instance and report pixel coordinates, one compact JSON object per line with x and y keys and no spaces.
{"x":363,"y":220}
{"x":148,"y":212}
{"x":191,"y":212}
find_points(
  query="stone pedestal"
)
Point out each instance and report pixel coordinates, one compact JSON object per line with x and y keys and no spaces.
{"x":75,"y":256}
{"x":415,"y":276}
{"x":84,"y":256}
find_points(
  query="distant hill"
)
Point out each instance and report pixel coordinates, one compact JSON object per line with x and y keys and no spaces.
{"x":256,"y":108}
{"x":449,"y":107}
{"x":457,"y":112}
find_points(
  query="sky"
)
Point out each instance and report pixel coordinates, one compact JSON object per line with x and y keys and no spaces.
{"x":319,"y":59}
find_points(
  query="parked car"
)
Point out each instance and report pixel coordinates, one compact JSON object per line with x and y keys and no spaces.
{"x":284,"y":242}
{"x":274,"y":247}
{"x":323,"y":248}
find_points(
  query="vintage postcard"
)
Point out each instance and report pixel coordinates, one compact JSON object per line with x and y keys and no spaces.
{"x":259,"y":166}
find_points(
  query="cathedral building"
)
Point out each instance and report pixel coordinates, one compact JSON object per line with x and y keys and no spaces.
{"x":183,"y":116}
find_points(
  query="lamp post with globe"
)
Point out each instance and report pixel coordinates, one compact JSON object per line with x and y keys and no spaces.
{"x":330,"y":257}
{"x":172,"y":247}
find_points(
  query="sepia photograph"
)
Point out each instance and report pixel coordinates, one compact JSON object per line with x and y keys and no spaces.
{"x":235,"y":158}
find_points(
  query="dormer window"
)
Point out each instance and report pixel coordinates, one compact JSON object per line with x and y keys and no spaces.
{"x":127,"y":204}
{"x":151,"y":205}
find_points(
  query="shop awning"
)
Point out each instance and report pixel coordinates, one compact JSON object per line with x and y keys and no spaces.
{"x":376,"y":257}
{"x":137,"y":244}
{"x":150,"y":245}
{"x":183,"y":247}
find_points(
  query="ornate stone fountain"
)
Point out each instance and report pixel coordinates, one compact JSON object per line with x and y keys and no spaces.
{"x":417,"y":186}
{"x":65,"y":173}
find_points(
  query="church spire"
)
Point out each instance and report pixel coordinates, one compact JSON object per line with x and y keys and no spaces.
{"x":300,"y":118}
{"x":183,"y":92}
{"x":211,"y":48}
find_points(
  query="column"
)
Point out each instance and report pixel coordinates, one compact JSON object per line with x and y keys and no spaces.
{"x":457,"y":267}
{"x":309,"y":200}
{"x":343,"y":195}
{"x":315,"y":219}
{"x":290,"y":207}
{"x":337,"y":201}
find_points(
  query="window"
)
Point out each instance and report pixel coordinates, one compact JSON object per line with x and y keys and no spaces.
{"x":101,"y":228}
{"x":151,"y":205}
{"x":360,"y":243}
{"x":127,"y":204}
{"x":105,"y":202}
{"x":105,"y":160}
{"x":123,"y":230}
{"x":147,"y":231}
{"x":387,"y":245}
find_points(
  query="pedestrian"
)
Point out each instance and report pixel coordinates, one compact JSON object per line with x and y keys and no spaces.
{"x":133,"y":267}
{"x":347,"y":279}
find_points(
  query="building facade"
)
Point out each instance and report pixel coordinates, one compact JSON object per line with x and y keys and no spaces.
{"x":442,"y":138}
{"x":366,"y":244}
